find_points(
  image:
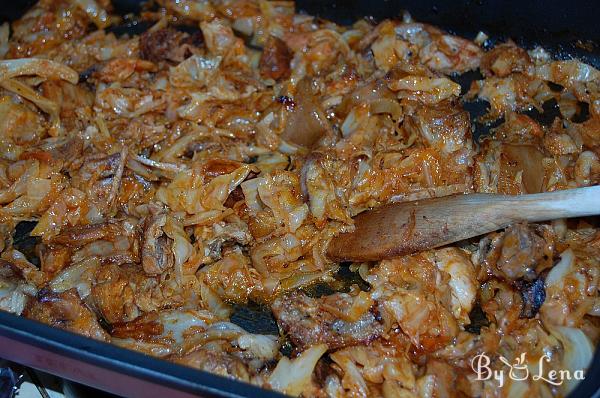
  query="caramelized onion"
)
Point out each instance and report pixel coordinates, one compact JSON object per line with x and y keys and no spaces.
{"x":528,"y":159}
{"x":306,"y":124}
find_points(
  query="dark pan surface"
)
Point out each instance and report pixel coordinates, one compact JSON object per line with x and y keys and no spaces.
{"x":560,"y":26}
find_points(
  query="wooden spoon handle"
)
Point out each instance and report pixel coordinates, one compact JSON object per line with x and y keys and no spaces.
{"x":568,"y":203}
{"x":403,"y":228}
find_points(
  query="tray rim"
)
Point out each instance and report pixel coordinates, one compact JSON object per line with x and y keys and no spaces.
{"x":50,"y":341}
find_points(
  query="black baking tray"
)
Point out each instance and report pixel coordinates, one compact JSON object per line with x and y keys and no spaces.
{"x":567,"y":29}
{"x":108,"y":367}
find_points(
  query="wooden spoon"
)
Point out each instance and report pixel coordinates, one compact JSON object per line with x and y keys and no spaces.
{"x":404,"y":228}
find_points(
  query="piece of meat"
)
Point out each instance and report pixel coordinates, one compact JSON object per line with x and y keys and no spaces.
{"x":168,"y":45}
{"x":275,"y":59}
{"x":156,"y":249}
{"x":307,"y":323}
{"x":216,"y":362}
{"x":113,"y":296}
{"x":66,"y":311}
{"x":521,"y":251}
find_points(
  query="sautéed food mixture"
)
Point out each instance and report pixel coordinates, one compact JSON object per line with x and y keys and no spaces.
{"x":155,"y":178}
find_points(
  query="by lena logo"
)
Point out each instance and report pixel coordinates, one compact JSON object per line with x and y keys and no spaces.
{"x":518,"y":370}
